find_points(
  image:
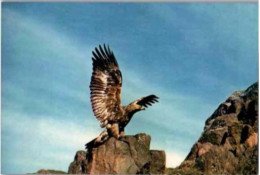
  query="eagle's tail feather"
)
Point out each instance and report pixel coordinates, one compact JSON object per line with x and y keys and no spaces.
{"x":90,"y":144}
{"x":97,"y":141}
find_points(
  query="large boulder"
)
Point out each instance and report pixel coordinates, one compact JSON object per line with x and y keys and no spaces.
{"x":130,"y":155}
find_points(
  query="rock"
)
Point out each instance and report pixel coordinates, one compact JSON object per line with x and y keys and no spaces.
{"x":252,"y":140}
{"x":228,"y":144}
{"x":158,"y":162}
{"x":77,"y":166}
{"x":130,"y":155}
{"x":203,"y":148}
{"x":42,"y":171}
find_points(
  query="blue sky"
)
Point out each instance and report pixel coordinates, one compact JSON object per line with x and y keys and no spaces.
{"x":191,"y":55}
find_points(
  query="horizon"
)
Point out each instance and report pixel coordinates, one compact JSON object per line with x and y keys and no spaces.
{"x":192,"y":56}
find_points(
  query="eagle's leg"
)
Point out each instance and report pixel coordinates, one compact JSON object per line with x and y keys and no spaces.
{"x":122,"y":134}
{"x":102,"y":137}
{"x":115,"y":130}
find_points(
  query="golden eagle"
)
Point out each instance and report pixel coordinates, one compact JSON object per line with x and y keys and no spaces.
{"x":105,"y":87}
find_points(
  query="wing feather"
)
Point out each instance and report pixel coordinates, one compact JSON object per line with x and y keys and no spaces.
{"x":148,"y":100}
{"x":105,"y":85}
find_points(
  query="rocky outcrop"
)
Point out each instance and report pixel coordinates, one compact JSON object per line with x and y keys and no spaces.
{"x":130,"y":155}
{"x":228,"y":144}
{"x":42,"y":171}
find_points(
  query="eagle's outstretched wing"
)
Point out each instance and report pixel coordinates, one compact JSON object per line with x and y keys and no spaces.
{"x":105,"y":86}
{"x":148,"y":100}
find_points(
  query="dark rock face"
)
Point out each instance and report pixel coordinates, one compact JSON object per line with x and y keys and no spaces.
{"x":228,"y":144}
{"x":131,"y":155}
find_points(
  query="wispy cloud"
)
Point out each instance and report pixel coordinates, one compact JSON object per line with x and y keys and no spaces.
{"x":48,"y":67}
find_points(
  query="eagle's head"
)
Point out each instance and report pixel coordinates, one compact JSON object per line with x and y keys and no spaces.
{"x":134,"y":107}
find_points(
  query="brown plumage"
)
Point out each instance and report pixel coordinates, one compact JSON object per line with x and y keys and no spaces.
{"x":105,"y":87}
